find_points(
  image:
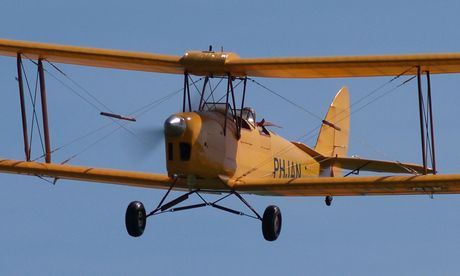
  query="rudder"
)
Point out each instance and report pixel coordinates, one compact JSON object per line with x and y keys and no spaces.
{"x":334,"y":134}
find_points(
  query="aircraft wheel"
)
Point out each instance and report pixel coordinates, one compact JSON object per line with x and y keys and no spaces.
{"x":135,"y":219}
{"x":329,"y":200}
{"x":271,"y":223}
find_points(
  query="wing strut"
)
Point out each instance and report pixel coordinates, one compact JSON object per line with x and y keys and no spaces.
{"x":240,"y":121}
{"x":23,"y":108}
{"x":427,"y":133}
{"x":186,"y":93}
{"x":43,"y":106}
{"x":206,"y":80}
{"x":230,"y":90}
{"x":44,"y":112}
{"x":431,"y":122}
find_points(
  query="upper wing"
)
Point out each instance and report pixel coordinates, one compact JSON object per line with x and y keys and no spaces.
{"x":93,"y":56}
{"x":216,"y":63}
{"x":348,"y":66}
{"x":345,"y":186}
{"x":128,"y":178}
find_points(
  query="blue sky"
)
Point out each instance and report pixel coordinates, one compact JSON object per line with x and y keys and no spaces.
{"x":76,"y":228}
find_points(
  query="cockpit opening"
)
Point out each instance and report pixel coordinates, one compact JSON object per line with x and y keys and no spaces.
{"x":248,"y":114}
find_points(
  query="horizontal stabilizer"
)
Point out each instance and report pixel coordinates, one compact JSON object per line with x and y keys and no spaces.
{"x":359,"y":164}
{"x":374,"y":165}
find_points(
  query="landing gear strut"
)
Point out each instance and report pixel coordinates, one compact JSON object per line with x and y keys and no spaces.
{"x":136,"y":217}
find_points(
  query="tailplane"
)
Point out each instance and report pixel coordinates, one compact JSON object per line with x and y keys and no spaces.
{"x":334,"y":134}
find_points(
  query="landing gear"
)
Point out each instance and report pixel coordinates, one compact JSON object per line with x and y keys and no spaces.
{"x":135,"y":219}
{"x":136,"y":216}
{"x":271,"y":223}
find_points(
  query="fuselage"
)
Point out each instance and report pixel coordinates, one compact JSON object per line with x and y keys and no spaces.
{"x":209,"y":150}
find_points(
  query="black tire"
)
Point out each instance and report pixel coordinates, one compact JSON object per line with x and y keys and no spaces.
{"x":329,"y":200}
{"x":135,"y":219}
{"x":271,"y":223}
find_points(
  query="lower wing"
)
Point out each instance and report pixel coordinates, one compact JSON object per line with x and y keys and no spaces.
{"x":128,"y":178}
{"x":352,"y":186}
{"x":314,"y":186}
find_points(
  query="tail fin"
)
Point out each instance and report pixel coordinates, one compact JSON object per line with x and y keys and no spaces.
{"x":333,"y":137}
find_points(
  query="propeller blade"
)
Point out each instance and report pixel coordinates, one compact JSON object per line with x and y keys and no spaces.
{"x":141,"y":143}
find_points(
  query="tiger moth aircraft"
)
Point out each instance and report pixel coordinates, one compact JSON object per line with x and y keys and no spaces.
{"x":219,"y":147}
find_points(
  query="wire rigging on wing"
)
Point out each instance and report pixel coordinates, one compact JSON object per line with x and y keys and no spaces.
{"x":139,"y":112}
{"x":309,"y":136}
{"x":33,"y":99}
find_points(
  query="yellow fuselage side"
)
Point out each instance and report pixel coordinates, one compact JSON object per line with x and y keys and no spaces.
{"x":213,"y":154}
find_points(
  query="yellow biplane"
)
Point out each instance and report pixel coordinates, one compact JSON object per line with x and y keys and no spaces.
{"x":219,"y":147}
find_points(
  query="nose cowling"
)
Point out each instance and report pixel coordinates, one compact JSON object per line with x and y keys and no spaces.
{"x":175,"y":126}
{"x":195,"y":145}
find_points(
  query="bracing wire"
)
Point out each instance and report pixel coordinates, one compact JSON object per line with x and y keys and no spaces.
{"x":141,"y":111}
{"x":317,"y":117}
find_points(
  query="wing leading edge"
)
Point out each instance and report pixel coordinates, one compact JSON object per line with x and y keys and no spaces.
{"x":216,"y":63}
